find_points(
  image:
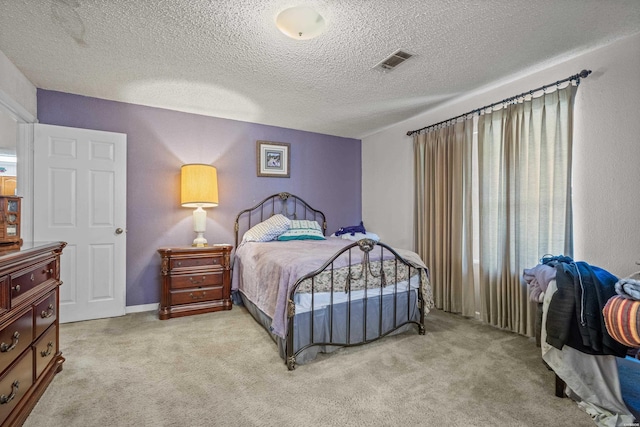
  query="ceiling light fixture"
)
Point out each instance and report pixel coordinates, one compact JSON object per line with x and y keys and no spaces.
{"x":300,"y":22}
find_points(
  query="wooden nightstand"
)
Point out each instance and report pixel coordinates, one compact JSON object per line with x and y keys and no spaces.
{"x":195,"y":280}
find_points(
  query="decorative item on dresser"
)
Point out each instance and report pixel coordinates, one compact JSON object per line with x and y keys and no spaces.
{"x":195,"y":280}
{"x":10,"y":222}
{"x":29,"y":352}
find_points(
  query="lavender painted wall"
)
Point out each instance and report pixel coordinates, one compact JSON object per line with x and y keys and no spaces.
{"x":325,"y":172}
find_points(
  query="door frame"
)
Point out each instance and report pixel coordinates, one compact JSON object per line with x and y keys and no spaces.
{"x":24,"y":152}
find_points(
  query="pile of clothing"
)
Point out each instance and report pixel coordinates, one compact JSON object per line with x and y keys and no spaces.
{"x":576,"y":341}
{"x":622,"y":312}
{"x":574,"y":315}
{"x":538,"y":279}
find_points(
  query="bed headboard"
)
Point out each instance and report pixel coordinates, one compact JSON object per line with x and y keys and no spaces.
{"x":287,"y":204}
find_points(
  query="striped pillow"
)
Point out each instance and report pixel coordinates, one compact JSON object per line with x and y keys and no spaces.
{"x":622,"y":320}
{"x":267,"y":230}
{"x":302,"y":229}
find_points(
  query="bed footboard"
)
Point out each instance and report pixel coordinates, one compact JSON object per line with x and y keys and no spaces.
{"x":375,"y":294}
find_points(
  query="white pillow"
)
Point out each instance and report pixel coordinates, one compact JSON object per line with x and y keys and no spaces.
{"x":267,"y":230}
{"x":358,"y":236}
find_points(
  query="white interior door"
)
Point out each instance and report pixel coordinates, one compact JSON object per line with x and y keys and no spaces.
{"x":80,"y":198}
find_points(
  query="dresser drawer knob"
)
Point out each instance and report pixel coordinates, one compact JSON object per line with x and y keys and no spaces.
{"x":48,"y":313}
{"x":14,"y":390}
{"x":197,"y":296}
{"x":16,"y":288}
{"x":32,"y":277}
{"x":4,"y":347}
{"x":195,"y":281}
{"x":45,"y":353}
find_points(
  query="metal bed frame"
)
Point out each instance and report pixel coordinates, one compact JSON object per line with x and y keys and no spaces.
{"x":360,"y":327}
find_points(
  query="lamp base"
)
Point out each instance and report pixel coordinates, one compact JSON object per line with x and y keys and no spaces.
{"x":199,"y":225}
{"x":199,"y":241}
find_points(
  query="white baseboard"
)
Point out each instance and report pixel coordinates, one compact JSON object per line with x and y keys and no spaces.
{"x":141,"y":308}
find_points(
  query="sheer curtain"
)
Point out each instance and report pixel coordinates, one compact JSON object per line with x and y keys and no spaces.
{"x":524,"y":160}
{"x":442,"y":217}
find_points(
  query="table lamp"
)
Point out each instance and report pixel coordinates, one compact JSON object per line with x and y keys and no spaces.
{"x":199,"y":189}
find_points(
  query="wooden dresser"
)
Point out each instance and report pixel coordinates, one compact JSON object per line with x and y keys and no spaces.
{"x":29,"y":350}
{"x":195,"y":280}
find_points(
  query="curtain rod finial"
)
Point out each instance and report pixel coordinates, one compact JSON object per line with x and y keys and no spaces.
{"x":584,"y":73}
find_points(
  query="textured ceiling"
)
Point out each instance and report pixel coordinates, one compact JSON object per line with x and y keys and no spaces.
{"x":226,"y":58}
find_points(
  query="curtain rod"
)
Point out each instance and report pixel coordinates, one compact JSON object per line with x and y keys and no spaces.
{"x":582,"y":74}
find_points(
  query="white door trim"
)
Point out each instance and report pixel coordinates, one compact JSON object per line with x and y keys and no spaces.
{"x":24,"y":151}
{"x":14,"y":109}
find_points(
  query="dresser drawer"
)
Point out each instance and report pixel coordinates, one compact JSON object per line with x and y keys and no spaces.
{"x":45,"y":348}
{"x":14,"y":338}
{"x":196,"y":280}
{"x":25,"y":280}
{"x":45,"y":313}
{"x":191,"y":296}
{"x":15,"y":383}
{"x":197,"y":262}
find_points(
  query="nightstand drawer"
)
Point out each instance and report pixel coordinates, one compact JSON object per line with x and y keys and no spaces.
{"x":24,"y":281}
{"x":14,"y":338}
{"x":196,"y":262}
{"x":196,"y":280}
{"x":191,"y":296}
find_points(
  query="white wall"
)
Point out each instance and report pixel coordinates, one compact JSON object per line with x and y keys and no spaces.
{"x":606,"y":157}
{"x":8,"y":130}
{"x":20,"y":92}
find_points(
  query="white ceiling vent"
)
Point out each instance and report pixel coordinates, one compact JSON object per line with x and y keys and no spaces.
{"x":396,"y":58}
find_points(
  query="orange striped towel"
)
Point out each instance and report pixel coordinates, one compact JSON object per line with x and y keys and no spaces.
{"x":622,"y":320}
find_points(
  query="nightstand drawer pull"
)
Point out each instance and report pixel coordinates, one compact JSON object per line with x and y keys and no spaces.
{"x":48,"y":313}
{"x":16,"y":288}
{"x":195,"y":282}
{"x":4,"y":347}
{"x":45,"y":353}
{"x":14,"y":390}
{"x":196,"y":296}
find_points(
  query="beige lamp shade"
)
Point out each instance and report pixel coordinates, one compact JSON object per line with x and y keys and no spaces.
{"x":198,"y":186}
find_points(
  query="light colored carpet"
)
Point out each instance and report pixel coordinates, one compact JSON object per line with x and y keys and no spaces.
{"x":222,"y":369}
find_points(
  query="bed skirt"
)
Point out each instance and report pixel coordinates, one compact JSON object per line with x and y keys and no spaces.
{"x":377,"y":325}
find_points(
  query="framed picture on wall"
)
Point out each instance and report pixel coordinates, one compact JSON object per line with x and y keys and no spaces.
{"x":273,"y":158}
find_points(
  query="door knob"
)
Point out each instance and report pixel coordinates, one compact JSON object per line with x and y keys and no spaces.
{"x":119,"y":230}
